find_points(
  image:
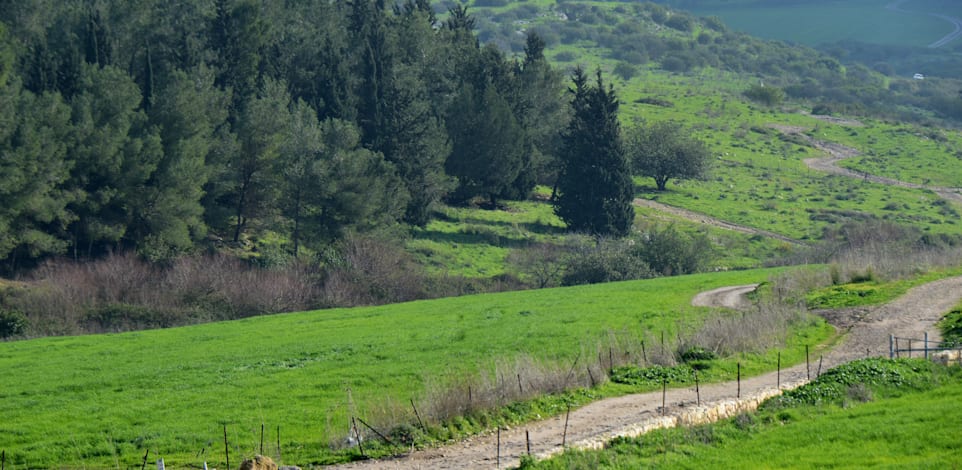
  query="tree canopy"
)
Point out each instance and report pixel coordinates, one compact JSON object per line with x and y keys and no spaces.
{"x":594,"y":190}
{"x":666,"y":150}
{"x":161,"y":126}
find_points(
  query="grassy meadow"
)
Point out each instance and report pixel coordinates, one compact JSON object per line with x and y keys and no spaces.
{"x":103,"y":400}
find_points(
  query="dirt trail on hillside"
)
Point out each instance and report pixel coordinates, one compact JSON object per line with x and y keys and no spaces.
{"x":839,"y":152}
{"x":866,"y":334}
{"x":708,"y":220}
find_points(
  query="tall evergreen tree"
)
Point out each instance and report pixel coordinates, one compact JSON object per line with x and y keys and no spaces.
{"x":189,"y":111}
{"x":34,"y":131}
{"x":253,"y":182}
{"x":594,"y":189}
{"x":488,"y":144}
{"x":115,"y":152}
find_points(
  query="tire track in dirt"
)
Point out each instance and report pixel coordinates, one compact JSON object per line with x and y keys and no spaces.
{"x":631,"y":415}
{"x":709,"y":220}
{"x":838,"y":152}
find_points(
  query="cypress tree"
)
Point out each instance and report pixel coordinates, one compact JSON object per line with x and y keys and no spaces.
{"x":594,"y":189}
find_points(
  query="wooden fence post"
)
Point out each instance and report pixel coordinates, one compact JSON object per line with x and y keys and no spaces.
{"x":819,"y":373}
{"x":262,"y":438}
{"x":739,"y":394}
{"x":499,"y":447}
{"x":226,"y":448}
{"x":418,"y":415}
{"x":778,"y":375}
{"x":664,"y":394}
{"x":279,"y":453}
{"x":144,"y":465}
{"x":808,"y":367}
{"x":644,"y":354}
{"x":891,"y":346}
{"x":564,"y":435}
{"x":357,"y":435}
{"x":527,"y":441}
{"x":925,"y":339}
{"x":697,"y":392}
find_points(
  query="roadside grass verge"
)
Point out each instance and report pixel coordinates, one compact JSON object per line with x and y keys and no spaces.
{"x":867,"y":289}
{"x":873,"y":412}
{"x":102,"y":400}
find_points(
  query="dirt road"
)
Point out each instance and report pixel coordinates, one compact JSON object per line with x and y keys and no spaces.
{"x":591,"y":425}
{"x":839,"y":152}
{"x":709,"y":220}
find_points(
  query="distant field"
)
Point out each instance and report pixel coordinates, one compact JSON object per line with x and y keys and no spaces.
{"x":817,"y":22}
{"x":101,"y":401}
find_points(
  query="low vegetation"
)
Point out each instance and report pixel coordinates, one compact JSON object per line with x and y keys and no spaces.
{"x":872,"y":412}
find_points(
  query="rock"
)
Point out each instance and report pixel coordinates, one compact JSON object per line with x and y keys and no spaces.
{"x":259,"y":462}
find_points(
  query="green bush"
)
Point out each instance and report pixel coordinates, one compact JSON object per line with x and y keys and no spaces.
{"x":12,"y":323}
{"x":767,"y":95}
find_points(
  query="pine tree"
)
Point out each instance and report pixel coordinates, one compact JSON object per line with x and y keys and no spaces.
{"x":594,"y":189}
{"x":487,"y":144}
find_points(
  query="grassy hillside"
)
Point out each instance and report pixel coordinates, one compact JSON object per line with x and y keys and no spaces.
{"x":908,"y":403}
{"x":102,"y":401}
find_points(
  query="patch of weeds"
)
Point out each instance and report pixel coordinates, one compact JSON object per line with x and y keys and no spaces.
{"x":859,"y":380}
{"x":653,"y":376}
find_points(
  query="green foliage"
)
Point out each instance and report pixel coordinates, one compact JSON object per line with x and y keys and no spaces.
{"x":653,"y":376}
{"x":951,"y":327}
{"x":766,"y":95}
{"x":884,"y":376}
{"x":666,"y":150}
{"x":12,"y":324}
{"x":487,"y":147}
{"x":604,"y":261}
{"x":594,"y":189}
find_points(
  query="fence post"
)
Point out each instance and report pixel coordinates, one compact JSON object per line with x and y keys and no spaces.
{"x":739,"y":395}
{"x":499,"y":447}
{"x":697,"y":392}
{"x":144,"y":465}
{"x":527,"y":441}
{"x":925,"y":339}
{"x":664,"y":394}
{"x":564,"y":435}
{"x":226,"y":448}
{"x":808,"y":367}
{"x":418,"y":415}
{"x":778,"y":380}
{"x":891,"y":346}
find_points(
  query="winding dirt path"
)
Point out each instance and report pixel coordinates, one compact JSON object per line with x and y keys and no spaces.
{"x":709,"y":220}
{"x":631,"y":415}
{"x":839,"y":152}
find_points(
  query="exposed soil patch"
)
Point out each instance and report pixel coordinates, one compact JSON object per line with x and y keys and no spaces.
{"x":867,"y":335}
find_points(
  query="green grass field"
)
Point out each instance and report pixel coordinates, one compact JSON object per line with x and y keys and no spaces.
{"x":903,"y":426}
{"x":101,"y":401}
{"x":815,"y":22}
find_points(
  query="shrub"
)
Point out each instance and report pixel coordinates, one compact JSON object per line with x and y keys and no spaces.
{"x":607,"y":261}
{"x":12,"y":324}
{"x":767,"y":95}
